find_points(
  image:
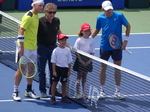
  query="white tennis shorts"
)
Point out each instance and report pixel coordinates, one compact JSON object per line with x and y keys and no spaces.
{"x":32,"y":54}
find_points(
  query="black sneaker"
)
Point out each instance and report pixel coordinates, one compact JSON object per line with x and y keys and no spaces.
{"x":53,"y":101}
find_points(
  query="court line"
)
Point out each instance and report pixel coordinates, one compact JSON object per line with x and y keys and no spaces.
{"x":145,"y":47}
{"x":58,"y":98}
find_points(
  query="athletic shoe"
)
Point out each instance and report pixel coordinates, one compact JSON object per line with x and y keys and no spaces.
{"x":66,"y":100}
{"x":119,"y":95}
{"x":102,"y":95}
{"x":53,"y":101}
{"x":78,"y":96}
{"x":15,"y":96}
{"x":85,"y":96}
{"x":31,"y":94}
{"x":44,"y":95}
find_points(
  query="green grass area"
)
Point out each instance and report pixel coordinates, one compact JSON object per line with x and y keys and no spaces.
{"x":71,"y":19}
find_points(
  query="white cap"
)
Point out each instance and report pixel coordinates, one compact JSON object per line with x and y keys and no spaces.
{"x":106,"y":5}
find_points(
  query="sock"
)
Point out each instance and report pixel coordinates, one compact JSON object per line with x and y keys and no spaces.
{"x":16,"y":88}
{"x":29,"y":87}
{"x":102,"y":87}
{"x":117,"y":88}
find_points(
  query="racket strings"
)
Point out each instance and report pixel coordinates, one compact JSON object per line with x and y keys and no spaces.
{"x":27,"y":67}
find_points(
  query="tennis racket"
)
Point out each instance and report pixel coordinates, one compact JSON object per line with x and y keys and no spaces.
{"x":27,"y":66}
{"x":115,"y":43}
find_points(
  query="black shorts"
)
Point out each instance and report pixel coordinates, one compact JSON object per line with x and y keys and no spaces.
{"x":79,"y":67}
{"x":62,"y":74}
{"x":115,"y":54}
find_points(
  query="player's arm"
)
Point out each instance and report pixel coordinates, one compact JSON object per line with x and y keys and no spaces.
{"x":21,"y":40}
{"x":127,"y":33}
{"x":69,"y":69}
{"x":54,"y":69}
{"x":95,"y":32}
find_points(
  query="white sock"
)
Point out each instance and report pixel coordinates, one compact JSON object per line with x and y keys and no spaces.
{"x":16,"y":88}
{"x":102,"y":87}
{"x":117,"y":88}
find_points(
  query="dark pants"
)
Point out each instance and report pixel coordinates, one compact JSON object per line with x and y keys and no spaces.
{"x":43,"y":56}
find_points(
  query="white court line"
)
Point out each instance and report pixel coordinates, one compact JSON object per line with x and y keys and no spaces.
{"x":145,"y":47}
{"x":57,"y":98}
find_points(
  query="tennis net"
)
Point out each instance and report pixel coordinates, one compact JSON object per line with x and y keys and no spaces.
{"x":135,"y":86}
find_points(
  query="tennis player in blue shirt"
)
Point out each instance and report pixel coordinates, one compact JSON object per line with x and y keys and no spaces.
{"x":111,"y":22}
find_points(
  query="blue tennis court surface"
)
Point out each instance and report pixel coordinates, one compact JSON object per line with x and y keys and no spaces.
{"x":28,"y":105}
{"x":139,"y":101}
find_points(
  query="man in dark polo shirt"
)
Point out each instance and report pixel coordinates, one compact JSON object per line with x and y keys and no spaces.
{"x":49,"y":28}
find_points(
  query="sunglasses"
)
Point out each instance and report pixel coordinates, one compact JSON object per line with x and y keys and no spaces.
{"x":50,"y":12}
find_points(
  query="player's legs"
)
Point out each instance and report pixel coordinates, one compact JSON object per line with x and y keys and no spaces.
{"x":53,"y":88}
{"x":77,"y":94}
{"x":103,"y":55}
{"x":117,"y":73}
{"x":79,"y":74}
{"x":32,"y":54}
{"x":17,"y":77}
{"x":117,"y":57}
{"x":84,"y":75}
{"x":63,"y":89}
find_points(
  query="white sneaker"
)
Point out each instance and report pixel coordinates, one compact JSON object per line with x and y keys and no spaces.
{"x":44,"y":95}
{"x":78,"y":96}
{"x":15,"y":96}
{"x":119,"y":95}
{"x":85,"y":96}
{"x":102,"y":95}
{"x":31,"y":94}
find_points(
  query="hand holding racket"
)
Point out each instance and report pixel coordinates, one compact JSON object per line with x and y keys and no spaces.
{"x":115,"y":43}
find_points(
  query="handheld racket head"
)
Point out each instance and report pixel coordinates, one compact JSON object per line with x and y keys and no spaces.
{"x":114,"y":41}
{"x":27,"y":67}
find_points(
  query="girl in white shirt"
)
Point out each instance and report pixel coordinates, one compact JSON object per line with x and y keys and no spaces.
{"x":83,"y":64}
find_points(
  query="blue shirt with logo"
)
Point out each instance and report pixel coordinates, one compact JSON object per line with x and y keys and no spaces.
{"x":110,"y":25}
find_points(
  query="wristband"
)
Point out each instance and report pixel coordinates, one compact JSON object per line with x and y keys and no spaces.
{"x":126,"y":38}
{"x":21,"y":38}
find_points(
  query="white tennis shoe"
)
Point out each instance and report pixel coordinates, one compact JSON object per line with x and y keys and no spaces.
{"x":119,"y":95}
{"x":31,"y":94}
{"x":15,"y":96}
{"x":78,"y":96}
{"x":102,"y":95}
